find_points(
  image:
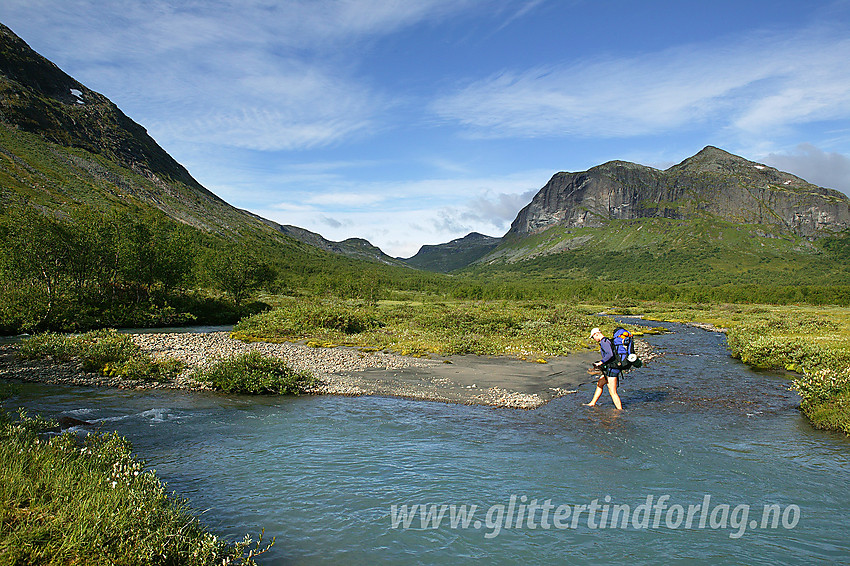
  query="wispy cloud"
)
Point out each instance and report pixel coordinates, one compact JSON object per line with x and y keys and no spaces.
{"x":753,"y":85}
{"x":254,"y":74}
{"x":347,"y":200}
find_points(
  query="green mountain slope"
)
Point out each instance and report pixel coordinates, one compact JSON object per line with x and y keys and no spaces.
{"x":100,"y":226}
{"x":672,"y":252}
{"x":62,"y":144}
{"x":714,"y":219}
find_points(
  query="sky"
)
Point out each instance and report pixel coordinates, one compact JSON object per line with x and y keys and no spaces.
{"x":411,"y":122}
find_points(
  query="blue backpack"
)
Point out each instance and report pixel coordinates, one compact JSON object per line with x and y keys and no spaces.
{"x":624,"y":351}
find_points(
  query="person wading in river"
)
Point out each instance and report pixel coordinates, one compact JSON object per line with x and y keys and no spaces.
{"x":609,"y":375}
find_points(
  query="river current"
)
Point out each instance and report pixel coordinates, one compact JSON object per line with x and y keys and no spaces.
{"x":710,"y":462}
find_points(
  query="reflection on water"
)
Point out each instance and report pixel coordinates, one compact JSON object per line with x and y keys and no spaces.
{"x":322,"y":474}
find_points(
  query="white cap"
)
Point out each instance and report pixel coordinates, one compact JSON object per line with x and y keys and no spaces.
{"x":594,"y":331}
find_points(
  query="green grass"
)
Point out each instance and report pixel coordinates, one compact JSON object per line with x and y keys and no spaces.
{"x":90,"y":502}
{"x":519,"y":329}
{"x":255,"y":373}
{"x":104,"y":351}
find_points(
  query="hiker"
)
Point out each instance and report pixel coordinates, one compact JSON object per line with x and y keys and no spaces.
{"x":609,"y":375}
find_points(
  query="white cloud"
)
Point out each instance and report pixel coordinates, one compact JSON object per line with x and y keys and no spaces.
{"x":826,"y":169}
{"x":409,"y":214}
{"x":754,"y":85}
{"x":499,"y":209}
{"x":349,"y":200}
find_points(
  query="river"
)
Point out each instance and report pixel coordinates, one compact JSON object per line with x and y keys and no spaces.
{"x":709,"y":463}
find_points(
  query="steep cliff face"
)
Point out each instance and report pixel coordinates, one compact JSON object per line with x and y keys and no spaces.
{"x":713,"y":183}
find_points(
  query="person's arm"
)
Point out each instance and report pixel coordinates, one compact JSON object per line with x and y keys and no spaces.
{"x":607,"y":350}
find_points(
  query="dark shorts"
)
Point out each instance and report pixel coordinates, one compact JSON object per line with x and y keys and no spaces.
{"x":603,"y":379}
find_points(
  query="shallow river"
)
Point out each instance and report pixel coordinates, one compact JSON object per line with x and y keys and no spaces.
{"x":709,"y":463}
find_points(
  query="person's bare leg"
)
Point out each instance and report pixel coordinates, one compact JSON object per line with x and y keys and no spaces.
{"x":612,"y":389}
{"x":596,"y":395}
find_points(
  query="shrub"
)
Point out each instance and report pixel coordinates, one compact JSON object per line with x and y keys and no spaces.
{"x":104,"y":351}
{"x":145,"y":368}
{"x":301,"y":318}
{"x":257,"y":374}
{"x":822,"y":385}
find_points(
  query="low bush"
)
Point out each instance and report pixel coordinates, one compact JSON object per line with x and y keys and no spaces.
{"x":256,"y":374}
{"x":301,"y":318}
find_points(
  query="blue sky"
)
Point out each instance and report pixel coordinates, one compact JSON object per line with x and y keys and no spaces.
{"x":416,"y":122}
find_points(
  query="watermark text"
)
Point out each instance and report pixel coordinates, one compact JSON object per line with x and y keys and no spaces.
{"x":654,"y":512}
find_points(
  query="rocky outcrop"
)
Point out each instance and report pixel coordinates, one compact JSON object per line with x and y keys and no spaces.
{"x":712,"y":183}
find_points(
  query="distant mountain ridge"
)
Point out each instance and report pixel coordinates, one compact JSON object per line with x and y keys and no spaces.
{"x":453,"y":255}
{"x":357,"y":248}
{"x":702,"y":196}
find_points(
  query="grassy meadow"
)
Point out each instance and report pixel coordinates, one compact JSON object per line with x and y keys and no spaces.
{"x":526,"y":330}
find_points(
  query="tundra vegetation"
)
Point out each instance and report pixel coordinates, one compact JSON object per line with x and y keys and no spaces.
{"x":521,"y":329}
{"x":102,"y":351}
{"x":68,"y":499}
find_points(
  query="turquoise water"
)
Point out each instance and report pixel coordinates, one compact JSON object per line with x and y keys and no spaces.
{"x":322,"y":474}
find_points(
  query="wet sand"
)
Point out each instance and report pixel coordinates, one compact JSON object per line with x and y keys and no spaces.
{"x":480,"y":380}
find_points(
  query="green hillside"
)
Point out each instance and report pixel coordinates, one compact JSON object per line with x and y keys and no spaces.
{"x":659,"y":252}
{"x":89,"y":243}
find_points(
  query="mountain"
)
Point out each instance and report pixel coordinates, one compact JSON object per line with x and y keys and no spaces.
{"x":356,"y":248}
{"x":712,"y":200}
{"x":64,"y":145}
{"x":453,"y":255}
{"x":711,"y":184}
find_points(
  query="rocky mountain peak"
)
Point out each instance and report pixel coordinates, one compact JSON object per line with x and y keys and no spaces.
{"x":711,"y":159}
{"x":19,"y":63}
{"x":711,"y":184}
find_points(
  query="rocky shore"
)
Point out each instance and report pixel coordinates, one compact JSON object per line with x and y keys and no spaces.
{"x":480,"y":380}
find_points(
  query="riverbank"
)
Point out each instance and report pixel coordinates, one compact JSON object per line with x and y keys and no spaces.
{"x":66,"y":499}
{"x":466,"y":379}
